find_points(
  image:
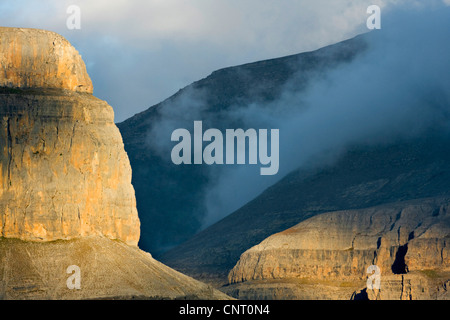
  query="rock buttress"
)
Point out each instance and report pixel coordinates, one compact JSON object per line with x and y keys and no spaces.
{"x":32,"y":58}
{"x":63,"y":169}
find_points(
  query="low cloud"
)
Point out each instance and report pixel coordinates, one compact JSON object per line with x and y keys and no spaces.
{"x":399,"y":88}
{"x":140,"y":52}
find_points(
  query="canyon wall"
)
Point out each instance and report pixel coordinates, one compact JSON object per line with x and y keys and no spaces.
{"x":331,"y":252}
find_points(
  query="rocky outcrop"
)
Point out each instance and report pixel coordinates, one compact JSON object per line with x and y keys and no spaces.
{"x":64,"y":173}
{"x":408,"y":241}
{"x":32,"y":58}
{"x":66,"y":196}
{"x":63,"y":170}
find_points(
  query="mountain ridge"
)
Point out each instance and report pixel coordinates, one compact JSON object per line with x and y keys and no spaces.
{"x":154,"y":176}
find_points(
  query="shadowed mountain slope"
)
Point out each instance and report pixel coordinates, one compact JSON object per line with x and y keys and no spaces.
{"x":170,"y":198}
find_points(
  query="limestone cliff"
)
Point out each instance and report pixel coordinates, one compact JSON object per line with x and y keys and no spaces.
{"x":66,"y":196}
{"x":32,"y":58}
{"x":167,"y":220}
{"x":63,"y":170}
{"x":330,"y":253}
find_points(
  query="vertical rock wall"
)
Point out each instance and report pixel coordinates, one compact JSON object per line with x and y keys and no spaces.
{"x":63,"y":169}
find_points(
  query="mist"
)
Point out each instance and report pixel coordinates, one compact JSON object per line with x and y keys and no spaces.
{"x":398,"y":88}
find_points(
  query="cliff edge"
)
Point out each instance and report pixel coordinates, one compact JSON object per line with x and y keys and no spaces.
{"x":33,"y":58}
{"x":327,"y":256}
{"x":63,"y":169}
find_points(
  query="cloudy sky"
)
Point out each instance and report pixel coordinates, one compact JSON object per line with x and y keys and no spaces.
{"x":140,"y":52}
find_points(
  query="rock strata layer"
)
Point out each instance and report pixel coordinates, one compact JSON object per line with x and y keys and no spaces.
{"x":408,"y":241}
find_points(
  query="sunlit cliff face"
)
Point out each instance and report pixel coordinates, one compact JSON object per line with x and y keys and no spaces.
{"x":32,"y":58}
{"x":63,"y":170}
